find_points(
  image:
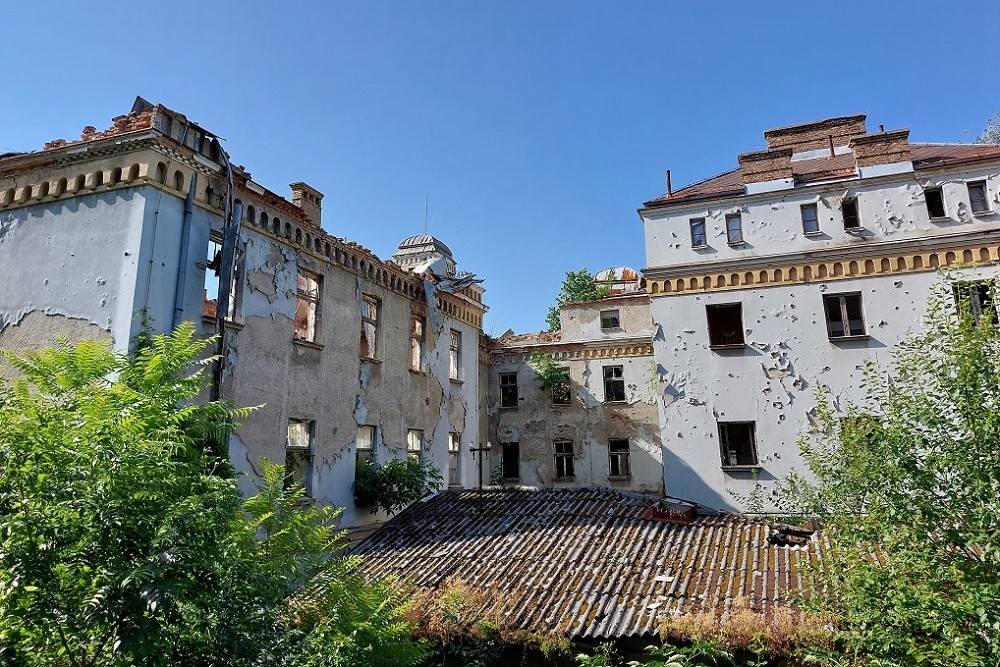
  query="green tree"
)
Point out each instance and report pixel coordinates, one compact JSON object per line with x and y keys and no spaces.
{"x":576,"y":286}
{"x":991,"y":133}
{"x":123,"y":541}
{"x":909,"y":491}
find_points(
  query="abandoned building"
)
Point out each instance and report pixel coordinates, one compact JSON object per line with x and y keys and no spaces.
{"x":348,"y":356}
{"x":784,"y":275}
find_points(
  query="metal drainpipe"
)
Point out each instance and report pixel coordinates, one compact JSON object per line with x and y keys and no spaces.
{"x":182,"y":267}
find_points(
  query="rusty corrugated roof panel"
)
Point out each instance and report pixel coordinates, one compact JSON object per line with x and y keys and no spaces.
{"x":584,"y":563}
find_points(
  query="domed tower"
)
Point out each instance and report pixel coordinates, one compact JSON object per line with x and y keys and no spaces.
{"x":425,"y":253}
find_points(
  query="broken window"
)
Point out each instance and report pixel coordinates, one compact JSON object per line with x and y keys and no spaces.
{"x":975,"y":298}
{"x":415,"y":444}
{"x":416,"y":343}
{"x":935,"y":202}
{"x":725,"y":325}
{"x":614,"y":384}
{"x":609,"y":319}
{"x":306,"y":306}
{"x":454,"y":447}
{"x":618,"y":455}
{"x":849,"y":209}
{"x":810,"y":219}
{"x":734,"y":228}
{"x":508,"y":390}
{"x":511,"y":461}
{"x":298,"y":454}
{"x":739,"y":444}
{"x":843,"y":315}
{"x":369,"y":326}
{"x":560,"y":390}
{"x":213,"y":280}
{"x":365,"y":446}
{"x":978,"y":197}
{"x":564,"y":459}
{"x":455,"y":355}
{"x":698,"y":238}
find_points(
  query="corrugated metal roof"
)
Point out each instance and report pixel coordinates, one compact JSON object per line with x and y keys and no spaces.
{"x":583,"y":563}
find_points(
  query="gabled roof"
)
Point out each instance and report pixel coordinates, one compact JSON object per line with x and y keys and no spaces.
{"x":923,"y":156}
{"x":585,"y":563}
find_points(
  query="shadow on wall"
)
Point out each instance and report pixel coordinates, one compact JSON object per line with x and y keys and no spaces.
{"x":684,"y":482}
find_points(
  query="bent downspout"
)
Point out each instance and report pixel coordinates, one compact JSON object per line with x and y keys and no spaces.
{"x":182,"y":266}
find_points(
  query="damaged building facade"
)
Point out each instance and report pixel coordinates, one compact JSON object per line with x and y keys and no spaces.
{"x":785,"y":275}
{"x":348,"y":356}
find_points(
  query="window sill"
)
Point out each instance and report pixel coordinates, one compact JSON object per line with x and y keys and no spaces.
{"x":456,"y":380}
{"x":612,"y":329}
{"x":701,"y":246}
{"x":854,"y":231}
{"x":230,"y":324}
{"x":742,"y":468}
{"x":412,"y":370}
{"x":940,"y":219}
{"x":848,"y":339}
{"x":619,"y":478}
{"x":510,"y":407}
{"x":621,"y":402}
{"x":510,"y":480}
{"x":818,"y":232}
{"x":558,"y":480}
{"x":988,"y":213}
{"x":307,"y":343}
{"x":371,"y":360}
{"x":562,"y":405}
{"x":727,"y":346}
{"x":736,"y":244}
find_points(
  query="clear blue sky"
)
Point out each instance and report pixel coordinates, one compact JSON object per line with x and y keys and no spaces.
{"x":535,"y":128}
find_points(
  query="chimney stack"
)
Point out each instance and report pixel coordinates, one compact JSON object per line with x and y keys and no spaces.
{"x":763,"y":166}
{"x":309,"y":200}
{"x":817,"y":134}
{"x":881,"y":148}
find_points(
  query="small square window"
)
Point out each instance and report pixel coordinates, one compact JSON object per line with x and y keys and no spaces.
{"x":810,"y":219}
{"x":739,"y":444}
{"x":306,"y":307}
{"x":978,"y":197}
{"x":511,"y":460}
{"x":844,"y":317}
{"x":734,"y":228}
{"x":935,"y":202}
{"x":614,"y":384}
{"x":415,"y":444}
{"x":609,"y":319}
{"x":849,"y":209}
{"x":698,"y":237}
{"x":454,"y":449}
{"x":564,"y":459}
{"x":298,"y":454}
{"x":508,"y":390}
{"x":725,"y":325}
{"x":618,"y":456}
{"x":975,"y":297}
{"x":369,"y":326}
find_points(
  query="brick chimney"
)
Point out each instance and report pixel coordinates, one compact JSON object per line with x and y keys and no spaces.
{"x":881,"y":148}
{"x":309,"y":200}
{"x":769,"y":165}
{"x":817,"y":134}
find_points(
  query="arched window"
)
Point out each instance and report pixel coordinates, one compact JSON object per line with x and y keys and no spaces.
{"x":161,"y":173}
{"x":61,"y":187}
{"x":179,"y":180}
{"x":116,"y":175}
{"x":133,"y":173}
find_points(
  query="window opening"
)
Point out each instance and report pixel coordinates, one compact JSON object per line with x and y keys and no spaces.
{"x":739,"y":444}
{"x":698,"y":238}
{"x":725,"y":325}
{"x":975,"y":298}
{"x":935,"y":202}
{"x":610,"y":319}
{"x":369,"y":326}
{"x":810,"y":219}
{"x":298,"y":454}
{"x":415,"y":444}
{"x":561,"y":389}
{"x":365,"y":446}
{"x":614,"y":384}
{"x":564,"y":459}
{"x":849,"y":209}
{"x":508,"y":390}
{"x":511,"y":461}
{"x":734,"y":228}
{"x":454,"y":447}
{"x":978,"y":197}
{"x":618,"y":455}
{"x":455,"y":355}
{"x":306,"y":306}
{"x":843,"y":315}
{"x":417,"y":338}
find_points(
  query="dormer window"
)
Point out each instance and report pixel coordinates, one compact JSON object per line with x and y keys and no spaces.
{"x":698,"y":238}
{"x":849,"y":209}
{"x":734,"y":229}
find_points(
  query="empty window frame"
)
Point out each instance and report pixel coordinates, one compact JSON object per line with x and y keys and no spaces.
{"x":564,"y":459}
{"x":511,"y":460}
{"x":417,"y":337}
{"x":213,"y":280}
{"x":614,"y":384}
{"x":369,"y":326}
{"x":975,"y":297}
{"x":415,"y":444}
{"x":454,"y":449}
{"x":455,"y":355}
{"x":306,"y":306}
{"x":810,"y":219}
{"x":508,"y":390}
{"x":618,"y":459}
{"x":610,"y":320}
{"x":698,"y":237}
{"x":978,"y":197}
{"x":734,"y":228}
{"x":844,"y":317}
{"x":934,"y":199}
{"x":849,"y":209}
{"x":365,"y":446}
{"x":560,"y":389}
{"x":739,"y":443}
{"x":725,"y":325}
{"x":298,"y":454}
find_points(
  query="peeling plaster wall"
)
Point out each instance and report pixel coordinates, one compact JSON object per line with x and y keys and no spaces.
{"x":890,"y":209}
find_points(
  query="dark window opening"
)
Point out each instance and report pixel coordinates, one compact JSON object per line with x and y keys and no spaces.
{"x":978,"y":197}
{"x":698,"y":237}
{"x":739,"y":444}
{"x":618,"y":455}
{"x":508,"y":390}
{"x":614,"y":384}
{"x":849,"y":208}
{"x":843,"y":315}
{"x":725,"y":324}
{"x":734,"y":228}
{"x":610,"y":319}
{"x":935,"y":202}
{"x":511,"y":460}
{"x":975,"y":298}
{"x":561,"y":389}
{"x":810,"y":219}
{"x":564,"y":459}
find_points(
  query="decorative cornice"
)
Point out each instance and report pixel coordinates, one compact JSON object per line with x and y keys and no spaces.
{"x":571,"y":351}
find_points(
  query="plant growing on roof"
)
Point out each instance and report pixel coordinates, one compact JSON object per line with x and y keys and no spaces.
{"x":577,"y":286}
{"x":551,"y":377}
